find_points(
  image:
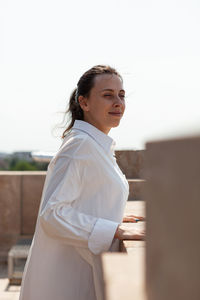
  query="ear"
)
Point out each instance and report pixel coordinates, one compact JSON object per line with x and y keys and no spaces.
{"x":83,"y":102}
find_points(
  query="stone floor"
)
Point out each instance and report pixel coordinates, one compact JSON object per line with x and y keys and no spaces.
{"x":7,"y":292}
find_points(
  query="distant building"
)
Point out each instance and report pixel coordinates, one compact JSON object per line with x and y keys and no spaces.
{"x":4,"y":155}
{"x":23,"y":155}
{"x":41,"y":156}
{"x":3,"y":162}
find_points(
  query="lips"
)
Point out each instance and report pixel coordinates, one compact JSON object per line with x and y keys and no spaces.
{"x":116,"y":113}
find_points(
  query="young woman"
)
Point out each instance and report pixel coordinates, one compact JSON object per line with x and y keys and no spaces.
{"x":83,"y":199}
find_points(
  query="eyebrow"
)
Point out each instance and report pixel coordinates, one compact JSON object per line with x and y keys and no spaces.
{"x":112,"y":90}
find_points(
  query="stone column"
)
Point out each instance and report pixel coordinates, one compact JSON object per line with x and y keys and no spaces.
{"x":172,"y":194}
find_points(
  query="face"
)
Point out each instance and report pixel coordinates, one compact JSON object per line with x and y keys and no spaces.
{"x":105,"y":106}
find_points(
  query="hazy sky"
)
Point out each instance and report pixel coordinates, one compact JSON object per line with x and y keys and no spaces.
{"x":47,"y":45}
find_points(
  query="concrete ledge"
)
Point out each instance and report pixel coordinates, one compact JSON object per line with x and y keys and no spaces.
{"x":129,"y":246}
{"x":23,"y":173}
{"x":124,"y":275}
{"x":136,"y":208}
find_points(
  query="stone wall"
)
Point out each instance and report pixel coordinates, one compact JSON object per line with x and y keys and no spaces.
{"x":10,"y":210}
{"x":131,"y":162}
{"x":20,"y":194}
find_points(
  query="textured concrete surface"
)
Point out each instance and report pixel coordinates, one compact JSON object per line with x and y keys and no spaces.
{"x":172,"y":197}
{"x":20,"y":194}
{"x":136,"y":187}
{"x":32,"y":185}
{"x":131,"y":162}
{"x":124,"y":273}
{"x":10,"y":211}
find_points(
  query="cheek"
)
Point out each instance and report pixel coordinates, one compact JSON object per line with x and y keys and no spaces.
{"x":99,"y":110}
{"x":104,"y":105}
{"x":101,"y":106}
{"x":123,"y":106}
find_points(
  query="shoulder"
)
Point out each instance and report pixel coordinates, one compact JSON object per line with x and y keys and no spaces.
{"x":77,"y":145}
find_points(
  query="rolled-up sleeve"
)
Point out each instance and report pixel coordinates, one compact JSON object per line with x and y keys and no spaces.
{"x":60,"y":220}
{"x":102,"y":235}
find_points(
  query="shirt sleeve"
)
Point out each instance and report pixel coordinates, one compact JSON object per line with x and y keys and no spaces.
{"x":60,"y":220}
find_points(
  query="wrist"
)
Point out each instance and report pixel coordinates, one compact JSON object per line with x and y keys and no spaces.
{"x":117,"y":232}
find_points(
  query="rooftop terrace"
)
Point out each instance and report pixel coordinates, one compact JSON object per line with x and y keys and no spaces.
{"x":164,"y":266}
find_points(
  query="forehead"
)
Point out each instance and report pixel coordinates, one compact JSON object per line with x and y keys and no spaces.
{"x":107,"y":81}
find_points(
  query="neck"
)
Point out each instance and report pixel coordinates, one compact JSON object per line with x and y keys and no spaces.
{"x":97,"y":125}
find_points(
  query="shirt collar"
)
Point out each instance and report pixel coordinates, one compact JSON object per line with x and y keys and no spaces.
{"x":100,"y":137}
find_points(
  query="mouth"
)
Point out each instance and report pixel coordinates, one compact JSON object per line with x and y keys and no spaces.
{"x":117,"y":114}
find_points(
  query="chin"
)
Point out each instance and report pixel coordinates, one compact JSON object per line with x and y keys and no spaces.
{"x":115,"y":124}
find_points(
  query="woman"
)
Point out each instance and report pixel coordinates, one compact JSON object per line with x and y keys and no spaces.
{"x":83,"y":199}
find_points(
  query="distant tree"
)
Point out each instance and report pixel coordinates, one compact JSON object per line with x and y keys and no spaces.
{"x":40,"y":166}
{"x":22,"y":165}
{"x":16,"y":164}
{"x":12,"y":162}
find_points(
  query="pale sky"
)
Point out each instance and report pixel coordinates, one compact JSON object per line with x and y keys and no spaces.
{"x":47,"y":45}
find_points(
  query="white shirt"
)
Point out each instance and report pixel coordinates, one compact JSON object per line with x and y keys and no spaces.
{"x":82,"y":204}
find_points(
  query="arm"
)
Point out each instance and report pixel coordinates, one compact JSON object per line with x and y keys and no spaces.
{"x":61,"y":221}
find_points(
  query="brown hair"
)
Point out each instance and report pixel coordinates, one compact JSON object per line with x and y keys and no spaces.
{"x":84,"y":86}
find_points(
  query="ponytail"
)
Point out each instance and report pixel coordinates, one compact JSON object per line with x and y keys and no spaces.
{"x":74,"y":110}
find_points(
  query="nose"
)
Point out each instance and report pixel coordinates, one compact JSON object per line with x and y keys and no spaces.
{"x":118,"y":101}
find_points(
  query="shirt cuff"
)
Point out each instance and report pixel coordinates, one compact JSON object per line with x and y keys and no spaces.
{"x":102,"y":235}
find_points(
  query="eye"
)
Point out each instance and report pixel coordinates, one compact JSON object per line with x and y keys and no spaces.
{"x":123,"y":96}
{"x":107,"y":95}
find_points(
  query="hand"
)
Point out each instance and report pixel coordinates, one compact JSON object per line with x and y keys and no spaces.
{"x":125,"y":232}
{"x":132,"y":218}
